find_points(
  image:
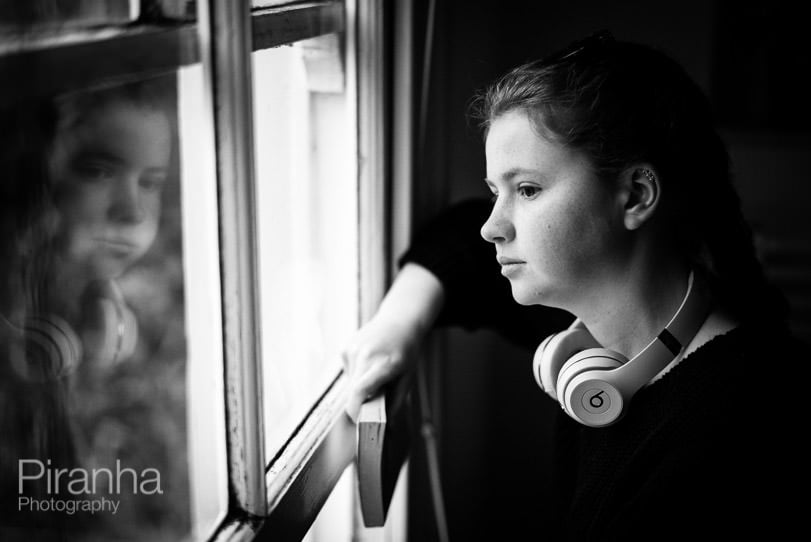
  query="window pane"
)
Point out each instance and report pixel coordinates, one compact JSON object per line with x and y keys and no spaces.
{"x":307,"y":193}
{"x":95,"y":358}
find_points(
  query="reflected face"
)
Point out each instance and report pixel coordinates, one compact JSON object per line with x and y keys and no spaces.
{"x":109,"y":171}
{"x":555,"y":225}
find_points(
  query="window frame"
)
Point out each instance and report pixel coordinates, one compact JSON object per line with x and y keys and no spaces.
{"x":302,"y":476}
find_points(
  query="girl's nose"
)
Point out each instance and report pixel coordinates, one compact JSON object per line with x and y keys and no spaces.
{"x":127,"y":205}
{"x":498,"y":228}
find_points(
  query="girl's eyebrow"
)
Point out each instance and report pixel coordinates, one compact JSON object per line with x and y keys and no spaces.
{"x":101,"y":155}
{"x":510,"y":174}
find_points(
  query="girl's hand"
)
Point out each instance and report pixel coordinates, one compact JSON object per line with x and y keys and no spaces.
{"x":387,"y":345}
{"x":379,"y":352}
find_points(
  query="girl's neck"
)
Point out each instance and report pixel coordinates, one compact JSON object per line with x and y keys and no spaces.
{"x":636,"y":305}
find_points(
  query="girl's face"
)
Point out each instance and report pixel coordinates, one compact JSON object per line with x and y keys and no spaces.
{"x":557,"y":228}
{"x":109,"y":171}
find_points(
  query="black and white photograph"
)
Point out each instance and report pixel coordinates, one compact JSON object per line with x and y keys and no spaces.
{"x":404,"y":270}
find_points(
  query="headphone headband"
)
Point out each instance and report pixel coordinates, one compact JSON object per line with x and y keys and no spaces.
{"x":667,"y":345}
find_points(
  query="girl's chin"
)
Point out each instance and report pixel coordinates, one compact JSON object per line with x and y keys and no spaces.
{"x":526,"y":296}
{"x":534,"y":294}
{"x":107,"y":268}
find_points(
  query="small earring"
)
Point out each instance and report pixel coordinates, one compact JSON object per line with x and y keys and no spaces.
{"x":649,"y":174}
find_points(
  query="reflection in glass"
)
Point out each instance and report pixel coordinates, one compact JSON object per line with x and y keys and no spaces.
{"x":92,"y":375}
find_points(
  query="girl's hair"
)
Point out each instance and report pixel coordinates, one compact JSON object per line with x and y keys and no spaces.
{"x":157,"y":94}
{"x":620,"y":104}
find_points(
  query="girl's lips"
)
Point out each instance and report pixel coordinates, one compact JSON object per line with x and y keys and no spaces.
{"x":510,"y":267}
{"x":508,"y":261}
{"x":118,"y":245}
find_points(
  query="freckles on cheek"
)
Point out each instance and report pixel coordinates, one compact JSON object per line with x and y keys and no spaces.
{"x":570,"y":247}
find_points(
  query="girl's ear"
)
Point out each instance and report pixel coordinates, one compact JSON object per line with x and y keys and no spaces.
{"x":641,"y":192}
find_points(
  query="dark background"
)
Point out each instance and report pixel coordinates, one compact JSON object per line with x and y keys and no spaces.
{"x":750,"y":58}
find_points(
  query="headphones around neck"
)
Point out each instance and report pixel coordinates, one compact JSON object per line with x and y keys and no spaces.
{"x":51,"y":348}
{"x":594,"y":384}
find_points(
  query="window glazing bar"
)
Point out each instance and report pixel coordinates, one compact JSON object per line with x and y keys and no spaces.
{"x":276,"y":26}
{"x":225,"y":38}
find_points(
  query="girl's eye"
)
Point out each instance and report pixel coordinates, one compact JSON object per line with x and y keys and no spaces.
{"x":93,"y":172}
{"x":493,"y":197}
{"x":152,"y":183}
{"x":528,"y":192}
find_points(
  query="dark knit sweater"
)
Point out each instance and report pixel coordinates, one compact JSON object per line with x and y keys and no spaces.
{"x":715,"y":447}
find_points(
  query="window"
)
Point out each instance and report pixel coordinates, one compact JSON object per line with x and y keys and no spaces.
{"x":189,"y":235}
{"x":306,"y":194}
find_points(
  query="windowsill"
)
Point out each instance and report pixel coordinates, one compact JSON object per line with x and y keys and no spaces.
{"x":327,"y":414}
{"x":303,"y":475}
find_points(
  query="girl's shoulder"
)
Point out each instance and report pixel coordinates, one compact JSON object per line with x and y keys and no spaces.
{"x":757,"y":341}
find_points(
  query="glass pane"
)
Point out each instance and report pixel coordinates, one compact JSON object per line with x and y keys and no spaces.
{"x":94,"y":394}
{"x":308,"y":246}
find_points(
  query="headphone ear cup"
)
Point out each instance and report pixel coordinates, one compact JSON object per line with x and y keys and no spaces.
{"x":536,"y":362}
{"x":582,"y":391}
{"x":554,"y":352}
{"x":51,"y":349}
